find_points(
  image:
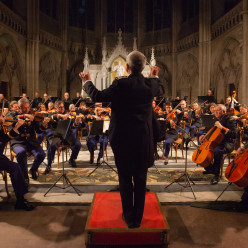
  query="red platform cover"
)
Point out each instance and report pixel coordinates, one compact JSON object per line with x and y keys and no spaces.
{"x":107,"y":212}
{"x":106,"y":227}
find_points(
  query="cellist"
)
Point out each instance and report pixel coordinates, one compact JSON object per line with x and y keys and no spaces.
{"x":228,"y":127}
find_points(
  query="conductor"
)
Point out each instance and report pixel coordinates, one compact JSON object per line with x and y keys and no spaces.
{"x":131,"y":130}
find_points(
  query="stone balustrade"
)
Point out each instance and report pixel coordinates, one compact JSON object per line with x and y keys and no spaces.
{"x":50,"y":40}
{"x":188,"y":42}
{"x":9,"y":18}
{"x":230,"y":19}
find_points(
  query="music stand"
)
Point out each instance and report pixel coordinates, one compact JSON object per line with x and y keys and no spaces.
{"x":98,"y":128}
{"x":188,"y":180}
{"x":60,"y":135}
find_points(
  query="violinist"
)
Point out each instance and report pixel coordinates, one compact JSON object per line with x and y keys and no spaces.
{"x":241,"y":120}
{"x":183,"y":113}
{"x":228,"y":127}
{"x":51,"y":107}
{"x":78,"y":99}
{"x":73,"y":114}
{"x":75,"y":145}
{"x":83,"y":109}
{"x":46,"y":99}
{"x":92,"y":140}
{"x":171,"y":134}
{"x":14,"y":169}
{"x":158,"y":111}
{"x":67,"y":101}
{"x":13,"y":106}
{"x":3,"y":101}
{"x":195,"y":119}
{"x":27,"y":141}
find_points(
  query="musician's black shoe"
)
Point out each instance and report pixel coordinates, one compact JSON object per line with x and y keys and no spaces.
{"x":206,"y":172}
{"x":33,"y":174}
{"x":72,"y":163}
{"x":47,"y":170}
{"x":215,"y":180}
{"x":91,"y":158}
{"x":242,"y":207}
{"x":24,"y":204}
{"x":166,"y":160}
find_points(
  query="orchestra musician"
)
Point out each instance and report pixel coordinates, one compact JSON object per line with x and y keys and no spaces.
{"x":75,"y":145}
{"x":92,"y":140}
{"x":241,"y":120}
{"x":131,"y":130}
{"x":171,"y":134}
{"x":46,"y":99}
{"x":51,"y":107}
{"x":183,"y":113}
{"x":36,"y":100}
{"x":67,"y":101}
{"x":228,"y":127}
{"x":27,"y":141}
{"x":3,"y":100}
{"x":14,"y":169}
{"x":195,"y":119}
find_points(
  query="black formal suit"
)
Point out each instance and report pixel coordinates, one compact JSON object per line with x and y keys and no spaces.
{"x":130,"y":135}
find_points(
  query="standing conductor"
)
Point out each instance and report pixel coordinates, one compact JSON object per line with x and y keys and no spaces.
{"x":131,"y":130}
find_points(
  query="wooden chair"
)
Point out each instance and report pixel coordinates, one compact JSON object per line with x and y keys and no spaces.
{"x":5,"y":178}
{"x":229,"y":156}
{"x":61,"y":149}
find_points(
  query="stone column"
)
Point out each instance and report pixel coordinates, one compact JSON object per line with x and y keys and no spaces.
{"x":243,"y":89}
{"x":32,"y":52}
{"x":204,"y":46}
{"x":140,"y":17}
{"x":63,"y":14}
{"x":174,"y":35}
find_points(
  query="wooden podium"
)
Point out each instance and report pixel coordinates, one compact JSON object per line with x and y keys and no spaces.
{"x":105,"y":227}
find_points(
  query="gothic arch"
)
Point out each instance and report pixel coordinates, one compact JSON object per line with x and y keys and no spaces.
{"x":11,"y":66}
{"x":227,"y":68}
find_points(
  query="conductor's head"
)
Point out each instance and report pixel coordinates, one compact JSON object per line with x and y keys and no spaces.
{"x":136,"y":62}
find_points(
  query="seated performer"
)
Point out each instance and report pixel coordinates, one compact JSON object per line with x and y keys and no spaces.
{"x":46,"y":100}
{"x":74,"y":144}
{"x":14,"y":169}
{"x":195,"y":119}
{"x":183,"y":113}
{"x":36,"y":100}
{"x":92,"y":140}
{"x":171,"y":134}
{"x":67,"y":101}
{"x":242,"y":128}
{"x":27,"y":141}
{"x":51,"y":107}
{"x":228,"y":127}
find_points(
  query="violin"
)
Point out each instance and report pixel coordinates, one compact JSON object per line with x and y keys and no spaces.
{"x":157,"y":109}
{"x":171,"y":115}
{"x":237,"y":171}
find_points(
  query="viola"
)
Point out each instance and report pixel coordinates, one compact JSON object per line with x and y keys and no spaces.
{"x":237,"y":171}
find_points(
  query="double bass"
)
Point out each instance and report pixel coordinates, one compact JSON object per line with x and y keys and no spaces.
{"x":237,"y":171}
{"x":204,"y":154}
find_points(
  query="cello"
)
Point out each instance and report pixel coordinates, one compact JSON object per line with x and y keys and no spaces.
{"x":237,"y":171}
{"x":204,"y":154}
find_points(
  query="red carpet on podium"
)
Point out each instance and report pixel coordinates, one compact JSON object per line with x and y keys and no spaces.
{"x":107,"y":212}
{"x":105,"y":225}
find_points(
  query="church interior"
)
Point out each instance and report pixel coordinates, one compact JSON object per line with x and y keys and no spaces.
{"x":199,"y":46}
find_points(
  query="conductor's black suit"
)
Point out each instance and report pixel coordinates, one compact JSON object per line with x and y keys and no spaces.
{"x":131,"y":135}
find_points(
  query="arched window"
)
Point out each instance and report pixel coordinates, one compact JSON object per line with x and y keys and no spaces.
{"x":82,"y":13}
{"x":120,"y":15}
{"x":158,"y":14}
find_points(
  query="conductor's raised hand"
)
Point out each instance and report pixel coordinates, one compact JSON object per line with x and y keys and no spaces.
{"x":154,"y":71}
{"x":84,"y":76}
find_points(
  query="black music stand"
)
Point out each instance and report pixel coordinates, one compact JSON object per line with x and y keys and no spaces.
{"x":188,"y":180}
{"x":60,"y":135}
{"x":98,"y":129}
